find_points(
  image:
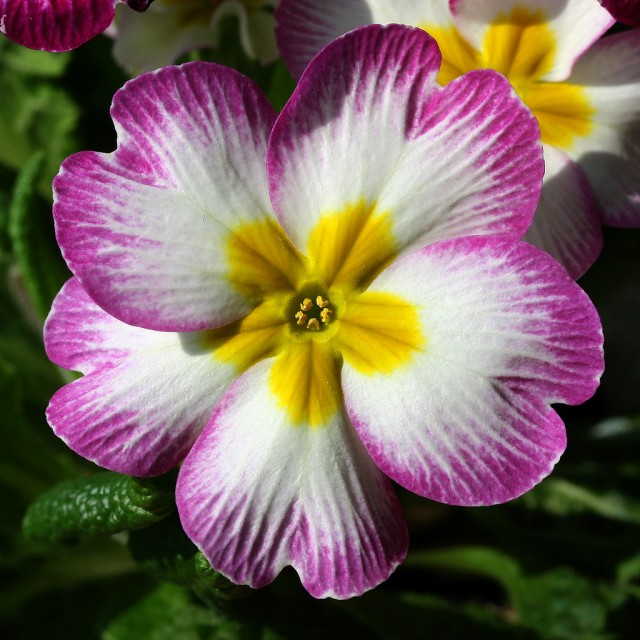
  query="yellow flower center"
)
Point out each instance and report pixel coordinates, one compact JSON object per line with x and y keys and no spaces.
{"x":314,"y":312}
{"x":522,"y":46}
{"x":310,"y":313}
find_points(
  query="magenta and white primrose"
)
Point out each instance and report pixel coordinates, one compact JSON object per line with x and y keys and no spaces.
{"x":302,"y":307}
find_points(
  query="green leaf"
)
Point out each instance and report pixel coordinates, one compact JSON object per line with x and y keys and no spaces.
{"x":281,"y":86}
{"x":482,"y":561}
{"x":35,"y":115}
{"x":413,"y":616}
{"x":165,"y":552}
{"x":562,"y":605}
{"x":559,"y":604}
{"x":38,"y":258}
{"x":168,"y":613}
{"x":101,"y":504}
{"x":33,"y":63}
{"x":562,"y":497}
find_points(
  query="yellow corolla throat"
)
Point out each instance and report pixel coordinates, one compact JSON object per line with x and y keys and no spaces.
{"x":522,"y":46}
{"x":314,"y":312}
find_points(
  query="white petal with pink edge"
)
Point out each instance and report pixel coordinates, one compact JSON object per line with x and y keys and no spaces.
{"x":609,"y":74}
{"x":506,"y":333}
{"x":303,"y":27}
{"x":146,"y":395}
{"x":258,"y":493}
{"x":369,"y":124}
{"x":144,"y":228}
{"x":573,"y":26}
{"x":567,"y":222}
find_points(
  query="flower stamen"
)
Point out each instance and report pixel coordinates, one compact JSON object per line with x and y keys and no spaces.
{"x":311,"y":309}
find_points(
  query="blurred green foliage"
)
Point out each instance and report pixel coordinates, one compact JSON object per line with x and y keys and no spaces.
{"x":561,"y":563}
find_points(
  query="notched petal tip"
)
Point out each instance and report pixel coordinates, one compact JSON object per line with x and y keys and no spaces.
{"x":258,"y":495}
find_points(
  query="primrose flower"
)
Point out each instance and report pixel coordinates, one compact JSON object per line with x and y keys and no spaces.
{"x":173,"y":27}
{"x":58,"y":25}
{"x":310,"y":304}
{"x":585,"y":96}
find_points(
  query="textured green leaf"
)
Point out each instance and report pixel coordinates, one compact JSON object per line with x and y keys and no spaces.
{"x":101,"y":504}
{"x":37,"y":256}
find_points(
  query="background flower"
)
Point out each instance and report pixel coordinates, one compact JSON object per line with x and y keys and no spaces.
{"x":585,"y":94}
{"x":173,"y":27}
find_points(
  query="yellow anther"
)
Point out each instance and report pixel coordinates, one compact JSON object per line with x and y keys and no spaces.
{"x":325,"y":315}
{"x":301,"y":318}
{"x":313,"y":324}
{"x":321,"y":303}
{"x":306,"y":304}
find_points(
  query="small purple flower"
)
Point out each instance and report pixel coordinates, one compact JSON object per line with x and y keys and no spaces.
{"x":301,"y":307}
{"x":58,"y":25}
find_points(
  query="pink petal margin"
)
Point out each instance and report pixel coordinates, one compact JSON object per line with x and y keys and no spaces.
{"x":145,"y":395}
{"x":144,"y":227}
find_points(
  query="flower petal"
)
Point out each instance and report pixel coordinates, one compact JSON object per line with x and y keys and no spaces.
{"x":567,"y":222}
{"x":368,"y":129}
{"x":610,"y":154}
{"x":146,"y":228}
{"x":303,"y":27}
{"x":54,"y":25}
{"x":544,"y":36}
{"x":506,"y":333}
{"x":258,"y":493}
{"x":146,"y":395}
